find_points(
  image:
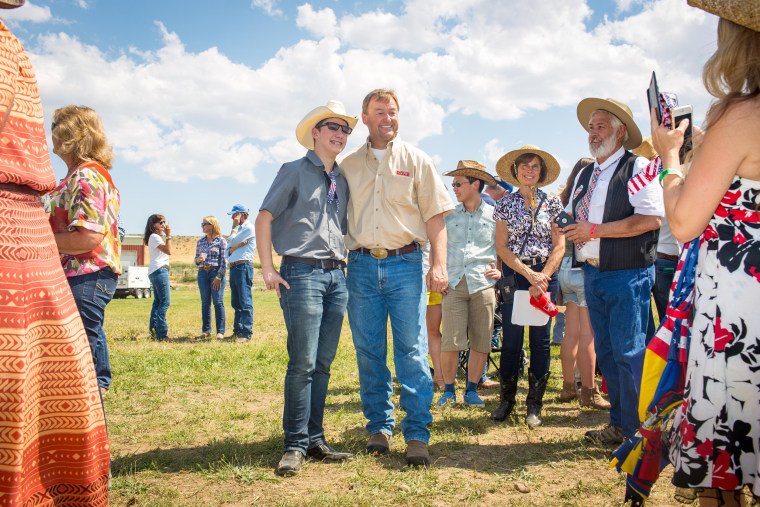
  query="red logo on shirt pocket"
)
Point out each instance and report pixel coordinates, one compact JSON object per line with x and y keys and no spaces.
{"x":402,"y":173}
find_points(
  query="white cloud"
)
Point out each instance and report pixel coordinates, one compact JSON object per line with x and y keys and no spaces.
{"x":83,"y":4}
{"x":320,"y":23}
{"x":183,"y":115}
{"x":625,"y":5}
{"x":492,"y":152}
{"x":268,"y":6}
{"x":28,"y":12}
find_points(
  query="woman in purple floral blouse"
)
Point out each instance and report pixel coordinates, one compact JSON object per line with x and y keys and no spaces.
{"x":531,"y":247}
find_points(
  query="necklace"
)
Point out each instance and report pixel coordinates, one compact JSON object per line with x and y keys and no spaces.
{"x":533,"y":204}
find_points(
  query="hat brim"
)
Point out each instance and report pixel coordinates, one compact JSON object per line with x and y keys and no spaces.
{"x":589,"y":105}
{"x":11,"y":4}
{"x":473,"y":173}
{"x":504,"y":166}
{"x":303,"y":130}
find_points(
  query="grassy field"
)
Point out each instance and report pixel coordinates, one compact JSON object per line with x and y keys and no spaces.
{"x":199,"y":423}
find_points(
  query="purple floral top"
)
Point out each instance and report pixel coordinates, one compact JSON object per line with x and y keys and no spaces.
{"x":511,"y":209}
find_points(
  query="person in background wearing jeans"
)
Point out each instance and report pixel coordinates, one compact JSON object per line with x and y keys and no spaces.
{"x":159,"y":250}
{"x":210,"y":256}
{"x":83,"y":214}
{"x":304,"y":217}
{"x":242,"y":249}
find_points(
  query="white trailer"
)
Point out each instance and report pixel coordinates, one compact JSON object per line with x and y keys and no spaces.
{"x":133,"y":280}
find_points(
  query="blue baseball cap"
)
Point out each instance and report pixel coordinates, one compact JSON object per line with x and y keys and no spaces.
{"x":238,"y":208}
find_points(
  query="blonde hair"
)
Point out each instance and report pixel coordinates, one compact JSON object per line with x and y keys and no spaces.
{"x":81,"y":133}
{"x":732,"y":73}
{"x":216,"y":229}
{"x":382,"y":95}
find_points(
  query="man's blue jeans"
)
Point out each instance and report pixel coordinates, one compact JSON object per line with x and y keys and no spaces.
{"x":314,"y":308}
{"x":241,"y":280}
{"x":393,"y":287}
{"x":92,"y":292}
{"x":618,"y":305}
{"x":208,"y":294}
{"x":162,"y":298}
{"x":664,"y":271}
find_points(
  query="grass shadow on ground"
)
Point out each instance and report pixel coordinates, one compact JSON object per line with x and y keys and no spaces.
{"x":202,"y":458}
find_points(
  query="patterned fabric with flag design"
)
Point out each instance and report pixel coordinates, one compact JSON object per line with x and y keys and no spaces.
{"x":662,"y":382}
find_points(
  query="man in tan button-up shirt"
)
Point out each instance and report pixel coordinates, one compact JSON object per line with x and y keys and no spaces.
{"x":397,"y":203}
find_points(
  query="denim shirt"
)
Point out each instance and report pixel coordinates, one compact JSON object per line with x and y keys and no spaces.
{"x":471,"y":246}
{"x":246,"y":252}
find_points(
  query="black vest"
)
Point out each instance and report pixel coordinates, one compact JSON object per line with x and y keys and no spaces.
{"x":619,"y":253}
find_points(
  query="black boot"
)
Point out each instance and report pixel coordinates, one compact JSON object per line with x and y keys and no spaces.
{"x":535,"y":399}
{"x":508,"y":392}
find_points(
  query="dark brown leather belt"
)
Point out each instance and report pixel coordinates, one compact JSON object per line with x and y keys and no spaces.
{"x":208,"y":268}
{"x":236,"y":263}
{"x":18,"y":189}
{"x":532,"y":261}
{"x":382,"y":253}
{"x":672,"y":258}
{"x":317,"y":263}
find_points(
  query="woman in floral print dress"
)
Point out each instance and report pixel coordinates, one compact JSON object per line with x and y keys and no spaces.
{"x":83,"y":217}
{"x":716,"y":432}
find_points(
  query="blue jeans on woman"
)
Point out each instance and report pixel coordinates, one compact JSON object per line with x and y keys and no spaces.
{"x":92,"y":292}
{"x":162,"y":298}
{"x":513,"y":336}
{"x":208,"y":294}
{"x":392,"y":287}
{"x":313,"y":308}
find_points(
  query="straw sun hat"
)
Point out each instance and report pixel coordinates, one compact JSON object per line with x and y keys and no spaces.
{"x":473,"y":169}
{"x":333,"y":109}
{"x":741,"y":12}
{"x":11,"y":4}
{"x":506,"y":170}
{"x":623,"y":112}
{"x":645,"y":149}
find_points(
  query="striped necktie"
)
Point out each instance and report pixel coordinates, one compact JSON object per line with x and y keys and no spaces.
{"x":581,"y":213}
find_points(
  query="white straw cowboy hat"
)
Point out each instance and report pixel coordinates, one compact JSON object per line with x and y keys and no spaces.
{"x":506,"y":169}
{"x":474,"y":170}
{"x":622,"y":111}
{"x":333,"y":109}
{"x":645,"y":149}
{"x":741,"y":12}
{"x":11,"y":4}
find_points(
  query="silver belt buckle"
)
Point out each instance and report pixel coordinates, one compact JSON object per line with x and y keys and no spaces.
{"x":378,"y":253}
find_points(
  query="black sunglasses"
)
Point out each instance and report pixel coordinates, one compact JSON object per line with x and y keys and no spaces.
{"x":335,"y":126}
{"x":457,"y":184}
{"x":204,"y":223}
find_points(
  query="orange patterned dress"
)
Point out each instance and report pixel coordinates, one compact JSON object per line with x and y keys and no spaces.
{"x":53,"y":441}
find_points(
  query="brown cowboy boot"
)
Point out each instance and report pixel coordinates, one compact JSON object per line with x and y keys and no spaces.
{"x":591,"y":397}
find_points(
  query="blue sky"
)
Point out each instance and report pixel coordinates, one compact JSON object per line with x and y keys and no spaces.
{"x":201,"y":99}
